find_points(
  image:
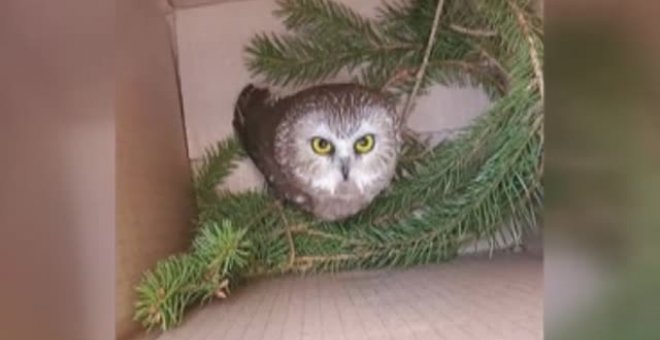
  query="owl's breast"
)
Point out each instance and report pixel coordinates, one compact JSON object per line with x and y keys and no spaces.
{"x":347,"y":200}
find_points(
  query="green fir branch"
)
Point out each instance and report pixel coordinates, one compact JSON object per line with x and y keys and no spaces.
{"x":315,"y":18}
{"x":218,"y":254}
{"x":215,"y":165}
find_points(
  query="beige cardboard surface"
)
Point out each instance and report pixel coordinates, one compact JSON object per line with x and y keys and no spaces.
{"x":153,"y":184}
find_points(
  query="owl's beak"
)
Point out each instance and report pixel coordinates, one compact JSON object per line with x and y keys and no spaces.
{"x":345,"y":164}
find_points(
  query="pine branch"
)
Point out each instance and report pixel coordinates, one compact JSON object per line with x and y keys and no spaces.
{"x":162,"y":294}
{"x":223,"y":249}
{"x":332,"y":38}
{"x":286,"y":60}
{"x":459,"y":217}
{"x":219,"y":252}
{"x":216,"y":164}
{"x":316,"y":18}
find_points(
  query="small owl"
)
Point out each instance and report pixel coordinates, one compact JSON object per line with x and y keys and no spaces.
{"x":328,"y":149}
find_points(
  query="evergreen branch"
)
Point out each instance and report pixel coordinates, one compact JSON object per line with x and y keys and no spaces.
{"x":533,"y":49}
{"x":477,"y":72}
{"x":219,"y":252}
{"x":407,"y":20}
{"x":485,"y":185}
{"x":420,"y":73}
{"x":286,"y":60}
{"x":325,"y":17}
{"x":222,"y":248}
{"x":161,"y":294}
{"x":216,"y":164}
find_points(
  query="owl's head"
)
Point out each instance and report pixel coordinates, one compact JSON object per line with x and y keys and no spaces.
{"x":343,"y":139}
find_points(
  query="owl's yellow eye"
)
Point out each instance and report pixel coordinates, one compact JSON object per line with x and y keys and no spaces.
{"x":364,"y":144}
{"x":322,"y":146}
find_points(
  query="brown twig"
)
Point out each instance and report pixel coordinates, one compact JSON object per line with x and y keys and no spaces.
{"x":304,"y":263}
{"x":489,"y":57}
{"x":398,"y":46}
{"x":422,"y":69}
{"x":289,"y":237}
{"x":338,"y":257}
{"x":472,"y":31}
{"x":382,"y":219}
{"x":314,"y":232}
{"x":405,"y":73}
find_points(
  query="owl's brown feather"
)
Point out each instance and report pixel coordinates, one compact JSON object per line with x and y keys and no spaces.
{"x":256,"y":117}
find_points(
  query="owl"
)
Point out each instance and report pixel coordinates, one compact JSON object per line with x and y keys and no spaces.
{"x":328,"y":149}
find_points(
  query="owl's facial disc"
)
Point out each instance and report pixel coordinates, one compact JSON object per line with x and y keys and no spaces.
{"x":338,"y":155}
{"x":361,"y":146}
{"x":344,"y":157}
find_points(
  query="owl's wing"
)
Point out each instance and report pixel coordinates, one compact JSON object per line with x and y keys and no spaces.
{"x":256,"y":117}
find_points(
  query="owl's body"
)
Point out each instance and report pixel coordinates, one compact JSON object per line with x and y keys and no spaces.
{"x":329,"y":149}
